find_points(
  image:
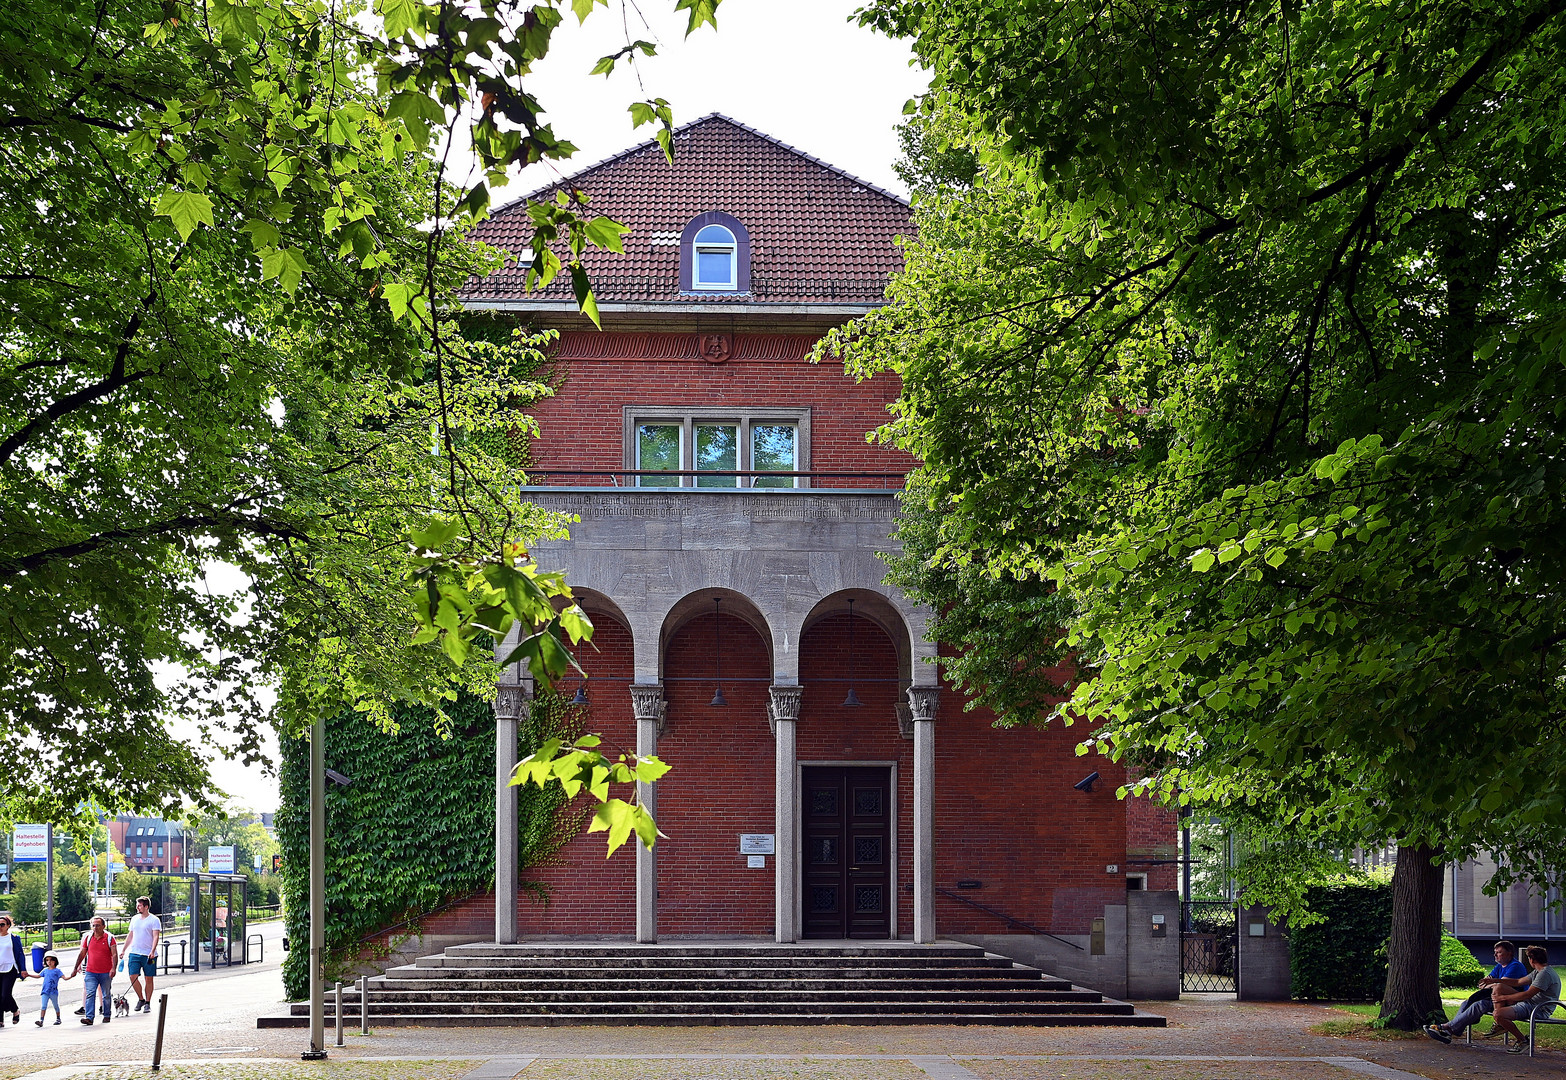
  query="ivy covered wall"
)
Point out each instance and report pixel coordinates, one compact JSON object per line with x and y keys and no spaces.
{"x":414,"y":831}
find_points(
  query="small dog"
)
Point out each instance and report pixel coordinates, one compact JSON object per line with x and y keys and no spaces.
{"x":121,"y":1006}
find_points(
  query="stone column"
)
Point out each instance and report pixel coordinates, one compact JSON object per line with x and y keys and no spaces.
{"x":649,"y":708}
{"x":783,"y":712}
{"x":511,"y":705}
{"x":922,"y":701}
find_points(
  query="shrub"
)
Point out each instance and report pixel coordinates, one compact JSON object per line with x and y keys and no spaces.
{"x":1459,"y":968}
{"x":31,"y":891}
{"x":1344,"y":957}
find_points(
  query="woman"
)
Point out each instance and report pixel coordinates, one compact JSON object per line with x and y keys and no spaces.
{"x":12,"y":968}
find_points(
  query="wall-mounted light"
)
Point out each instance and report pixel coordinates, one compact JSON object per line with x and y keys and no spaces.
{"x":337,"y":778}
{"x":1085,"y":785}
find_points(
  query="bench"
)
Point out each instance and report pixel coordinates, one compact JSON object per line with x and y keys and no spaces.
{"x":1506,"y":1039}
{"x":1559,"y":1018}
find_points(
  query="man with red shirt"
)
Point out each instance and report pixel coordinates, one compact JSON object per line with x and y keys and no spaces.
{"x":100,"y":952}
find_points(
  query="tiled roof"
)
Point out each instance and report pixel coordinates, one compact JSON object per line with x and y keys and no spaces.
{"x":818,"y":235}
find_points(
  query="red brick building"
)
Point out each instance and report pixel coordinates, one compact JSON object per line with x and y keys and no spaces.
{"x":825,"y":783}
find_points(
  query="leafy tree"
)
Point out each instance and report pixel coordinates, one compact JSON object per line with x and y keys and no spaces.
{"x":232,"y":239}
{"x":1237,"y":375}
{"x":73,"y":900}
{"x":128,"y":885}
{"x":29,"y":894}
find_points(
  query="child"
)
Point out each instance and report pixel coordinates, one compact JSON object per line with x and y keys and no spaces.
{"x":51,"y":977}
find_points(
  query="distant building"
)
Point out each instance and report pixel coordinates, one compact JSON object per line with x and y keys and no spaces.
{"x":149,"y":844}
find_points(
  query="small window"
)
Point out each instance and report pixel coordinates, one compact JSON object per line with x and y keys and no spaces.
{"x":715,"y":250}
{"x":717,"y":448}
{"x":160,"y":851}
{"x":658,"y":447}
{"x":774,"y":448}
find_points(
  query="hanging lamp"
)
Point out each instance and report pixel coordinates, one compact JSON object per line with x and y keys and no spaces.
{"x":581,"y":691}
{"x":717,"y":651}
{"x":852,"y":700}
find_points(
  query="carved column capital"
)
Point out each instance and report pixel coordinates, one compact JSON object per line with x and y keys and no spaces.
{"x":512,"y":701}
{"x":647,"y":704}
{"x":923,"y":701}
{"x":783,"y":704}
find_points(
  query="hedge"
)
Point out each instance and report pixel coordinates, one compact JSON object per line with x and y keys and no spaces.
{"x":413,"y":831}
{"x":1344,"y":957}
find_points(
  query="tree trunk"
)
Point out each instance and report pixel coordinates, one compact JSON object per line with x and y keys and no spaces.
{"x":1413,"y":994}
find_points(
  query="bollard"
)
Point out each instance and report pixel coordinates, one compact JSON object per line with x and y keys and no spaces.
{"x":157,"y":1046}
{"x":364,"y":1004}
{"x":339,"y":1014}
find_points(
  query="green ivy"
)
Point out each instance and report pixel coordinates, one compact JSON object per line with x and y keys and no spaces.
{"x":414,"y":831}
{"x":1344,"y":956}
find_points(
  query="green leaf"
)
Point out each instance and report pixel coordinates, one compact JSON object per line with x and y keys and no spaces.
{"x":400,"y":15}
{"x":584,"y":294}
{"x":287,"y":265}
{"x":186,"y":209}
{"x":604,"y":233}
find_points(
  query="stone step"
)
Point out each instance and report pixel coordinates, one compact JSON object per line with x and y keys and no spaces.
{"x":608,"y":1019}
{"x":737,"y":1007}
{"x":437,"y":975}
{"x":727,"y":948}
{"x":604,"y":994}
{"x":632,"y":963}
{"x":406,"y":987}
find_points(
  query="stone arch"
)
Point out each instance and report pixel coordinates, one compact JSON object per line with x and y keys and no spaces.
{"x":698,"y":604}
{"x":877,"y":608}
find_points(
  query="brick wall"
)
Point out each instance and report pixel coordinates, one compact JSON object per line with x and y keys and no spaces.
{"x":1005,"y":813}
{"x":582,"y":426}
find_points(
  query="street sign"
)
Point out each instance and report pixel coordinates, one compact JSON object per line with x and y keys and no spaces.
{"x":220,"y":860}
{"x":260,"y":861}
{"x":30,"y":843}
{"x":277,"y":864}
{"x":195,"y":866}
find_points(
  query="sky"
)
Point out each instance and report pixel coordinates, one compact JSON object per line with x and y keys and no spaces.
{"x":794,"y":69}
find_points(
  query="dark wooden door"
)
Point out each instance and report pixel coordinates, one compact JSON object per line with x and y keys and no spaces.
{"x":848,"y":852}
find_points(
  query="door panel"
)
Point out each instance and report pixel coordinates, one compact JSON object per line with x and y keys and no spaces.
{"x":848,"y":852}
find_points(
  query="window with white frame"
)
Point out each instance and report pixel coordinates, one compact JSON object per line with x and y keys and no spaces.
{"x":736,"y":448}
{"x":715,"y":259}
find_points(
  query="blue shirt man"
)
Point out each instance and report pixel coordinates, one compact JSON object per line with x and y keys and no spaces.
{"x":1481,"y":1002}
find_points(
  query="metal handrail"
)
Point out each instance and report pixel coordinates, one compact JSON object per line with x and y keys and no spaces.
{"x":1010,"y":921}
{"x":260,"y":941}
{"x":616,"y":474}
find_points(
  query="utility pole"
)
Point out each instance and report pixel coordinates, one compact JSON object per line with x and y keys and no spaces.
{"x":317,"y":1051}
{"x":49,"y":884}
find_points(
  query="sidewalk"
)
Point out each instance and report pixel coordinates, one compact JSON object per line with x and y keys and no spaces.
{"x":211,"y":1035}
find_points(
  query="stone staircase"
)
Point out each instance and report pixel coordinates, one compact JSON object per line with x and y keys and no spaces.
{"x":727,"y":983}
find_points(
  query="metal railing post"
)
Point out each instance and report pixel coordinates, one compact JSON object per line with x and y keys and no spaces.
{"x":364,"y":1004}
{"x":157,"y":1046}
{"x":339,"y":1014}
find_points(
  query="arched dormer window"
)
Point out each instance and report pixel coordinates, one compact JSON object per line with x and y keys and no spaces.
{"x":715,"y":254}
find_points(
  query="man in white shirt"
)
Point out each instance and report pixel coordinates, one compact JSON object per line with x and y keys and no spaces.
{"x":141,"y":948}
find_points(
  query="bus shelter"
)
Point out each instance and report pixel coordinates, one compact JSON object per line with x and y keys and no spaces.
{"x":212,"y":908}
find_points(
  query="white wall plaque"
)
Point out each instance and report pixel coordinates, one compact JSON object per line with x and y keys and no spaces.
{"x":755,"y":862}
{"x":756,"y":844}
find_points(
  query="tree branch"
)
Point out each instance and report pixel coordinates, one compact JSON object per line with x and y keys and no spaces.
{"x":11,"y":567}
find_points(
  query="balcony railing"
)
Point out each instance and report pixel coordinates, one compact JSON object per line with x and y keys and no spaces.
{"x":692,"y":479}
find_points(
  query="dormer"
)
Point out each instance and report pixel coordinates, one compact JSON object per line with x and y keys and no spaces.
{"x":715,"y":254}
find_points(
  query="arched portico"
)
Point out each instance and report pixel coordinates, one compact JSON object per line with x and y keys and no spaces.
{"x":781,"y":561}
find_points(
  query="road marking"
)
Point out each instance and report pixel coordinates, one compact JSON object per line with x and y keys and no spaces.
{"x":497,"y":1068}
{"x":944,"y":1068}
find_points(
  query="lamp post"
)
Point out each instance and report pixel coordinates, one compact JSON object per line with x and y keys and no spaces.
{"x":317,"y":1051}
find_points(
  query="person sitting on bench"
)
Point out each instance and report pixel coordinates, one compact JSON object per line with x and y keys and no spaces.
{"x":1482,"y":1001}
{"x":1535,"y":997}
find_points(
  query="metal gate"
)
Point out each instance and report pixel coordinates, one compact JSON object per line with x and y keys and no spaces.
{"x":1209,"y":934}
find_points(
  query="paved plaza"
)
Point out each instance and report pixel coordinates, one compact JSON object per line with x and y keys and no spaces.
{"x":211,"y":1035}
